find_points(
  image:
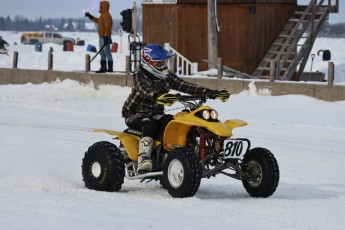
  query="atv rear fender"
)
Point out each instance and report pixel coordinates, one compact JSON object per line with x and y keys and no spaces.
{"x":129,"y":141}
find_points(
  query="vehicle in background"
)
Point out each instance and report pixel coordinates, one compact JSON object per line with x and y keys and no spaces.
{"x":44,"y":37}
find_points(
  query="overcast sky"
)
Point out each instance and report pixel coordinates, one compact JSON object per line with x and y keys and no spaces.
{"x":58,"y":8}
{"x":72,"y":8}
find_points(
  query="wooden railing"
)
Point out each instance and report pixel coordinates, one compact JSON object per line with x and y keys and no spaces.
{"x":182,"y":66}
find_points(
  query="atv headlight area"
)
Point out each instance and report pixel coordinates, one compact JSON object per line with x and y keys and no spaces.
{"x":210,"y":115}
{"x":214,"y":114}
{"x":206,"y":114}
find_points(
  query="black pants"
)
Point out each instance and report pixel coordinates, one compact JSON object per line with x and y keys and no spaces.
{"x":151,"y":126}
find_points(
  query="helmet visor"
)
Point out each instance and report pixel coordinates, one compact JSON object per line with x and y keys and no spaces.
{"x":158,"y":64}
{"x":161,"y":64}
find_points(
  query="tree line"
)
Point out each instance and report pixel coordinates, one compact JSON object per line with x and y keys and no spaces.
{"x":20,"y":23}
{"x":332,"y":30}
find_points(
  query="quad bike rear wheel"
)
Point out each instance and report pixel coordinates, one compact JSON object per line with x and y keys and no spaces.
{"x":103,"y":168}
{"x":181,"y":173}
{"x":262,"y":172}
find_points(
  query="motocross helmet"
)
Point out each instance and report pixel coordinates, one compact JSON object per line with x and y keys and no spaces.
{"x":154,"y":59}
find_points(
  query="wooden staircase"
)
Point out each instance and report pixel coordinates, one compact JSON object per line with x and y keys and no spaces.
{"x":289,"y":53}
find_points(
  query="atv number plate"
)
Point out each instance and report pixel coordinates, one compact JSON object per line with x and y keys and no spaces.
{"x":235,"y":148}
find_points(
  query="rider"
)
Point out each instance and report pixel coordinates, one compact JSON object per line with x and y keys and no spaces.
{"x":141,"y":110}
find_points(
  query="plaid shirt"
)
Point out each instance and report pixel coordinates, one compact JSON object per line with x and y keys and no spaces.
{"x":145,"y":89}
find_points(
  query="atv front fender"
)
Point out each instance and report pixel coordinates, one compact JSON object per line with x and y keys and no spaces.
{"x":235,"y":123}
{"x":175,"y":134}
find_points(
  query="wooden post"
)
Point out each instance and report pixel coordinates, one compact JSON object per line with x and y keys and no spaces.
{"x":50,"y":60}
{"x":273,"y":69}
{"x":134,"y":21}
{"x":330,"y":73}
{"x":278,"y":69}
{"x":127,"y":65}
{"x":87,"y":63}
{"x":121,"y":42}
{"x":212,"y":33}
{"x":172,"y":64}
{"x":15,"y":60}
{"x":220,"y":68}
{"x":134,"y":25}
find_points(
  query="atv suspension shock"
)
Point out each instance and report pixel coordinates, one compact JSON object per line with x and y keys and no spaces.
{"x":203,"y":148}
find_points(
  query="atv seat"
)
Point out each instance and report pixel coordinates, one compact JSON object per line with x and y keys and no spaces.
{"x":157,"y":137}
{"x":133,"y":132}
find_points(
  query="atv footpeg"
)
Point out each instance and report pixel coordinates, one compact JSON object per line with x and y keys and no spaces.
{"x":141,"y":172}
{"x":132,"y":174}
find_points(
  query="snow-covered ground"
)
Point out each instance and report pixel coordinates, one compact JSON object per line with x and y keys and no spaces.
{"x":45,"y":130}
{"x":65,"y":61}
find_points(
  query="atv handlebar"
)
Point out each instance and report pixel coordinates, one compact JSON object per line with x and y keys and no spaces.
{"x":169,"y":99}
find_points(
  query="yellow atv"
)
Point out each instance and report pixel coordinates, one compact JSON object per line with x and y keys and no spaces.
{"x":194,"y":145}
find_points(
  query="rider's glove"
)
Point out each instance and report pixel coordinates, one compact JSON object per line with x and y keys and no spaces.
{"x":106,"y":40}
{"x":87,"y":14}
{"x":212,"y":94}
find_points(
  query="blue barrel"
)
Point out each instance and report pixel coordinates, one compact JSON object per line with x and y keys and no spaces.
{"x":38,"y":46}
{"x":91,"y":48}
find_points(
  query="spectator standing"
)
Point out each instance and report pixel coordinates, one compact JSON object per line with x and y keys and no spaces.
{"x":105,"y":24}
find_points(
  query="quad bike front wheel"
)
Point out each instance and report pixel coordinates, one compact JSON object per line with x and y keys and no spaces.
{"x":103,"y":168}
{"x":262,"y":172}
{"x":181,"y":173}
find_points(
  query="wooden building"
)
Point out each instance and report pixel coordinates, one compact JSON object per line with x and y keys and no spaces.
{"x":248,"y":28}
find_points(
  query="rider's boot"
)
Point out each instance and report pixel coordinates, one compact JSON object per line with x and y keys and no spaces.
{"x":145,"y":148}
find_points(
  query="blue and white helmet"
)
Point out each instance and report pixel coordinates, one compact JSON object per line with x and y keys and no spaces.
{"x":154,"y":59}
